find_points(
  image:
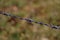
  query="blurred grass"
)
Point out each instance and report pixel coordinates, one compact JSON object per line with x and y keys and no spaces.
{"x":47,"y":11}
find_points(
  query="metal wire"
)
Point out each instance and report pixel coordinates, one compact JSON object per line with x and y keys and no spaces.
{"x":30,"y":20}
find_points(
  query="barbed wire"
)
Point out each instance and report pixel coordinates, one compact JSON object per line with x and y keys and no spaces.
{"x":30,"y":20}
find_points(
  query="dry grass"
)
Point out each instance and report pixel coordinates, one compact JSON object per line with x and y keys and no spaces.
{"x":47,"y":11}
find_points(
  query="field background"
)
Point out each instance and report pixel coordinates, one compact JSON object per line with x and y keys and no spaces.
{"x":47,"y":11}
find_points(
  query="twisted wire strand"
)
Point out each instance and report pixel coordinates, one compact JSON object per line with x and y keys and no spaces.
{"x":30,"y":20}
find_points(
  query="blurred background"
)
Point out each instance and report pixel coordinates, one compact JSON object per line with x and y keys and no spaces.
{"x":46,"y":11}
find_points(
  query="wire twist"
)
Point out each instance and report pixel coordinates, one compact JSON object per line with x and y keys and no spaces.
{"x":30,"y":20}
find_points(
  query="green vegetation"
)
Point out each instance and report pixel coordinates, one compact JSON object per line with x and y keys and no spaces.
{"x":47,"y":11}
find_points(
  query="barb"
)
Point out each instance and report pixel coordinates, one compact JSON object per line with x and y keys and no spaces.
{"x":30,"y":20}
